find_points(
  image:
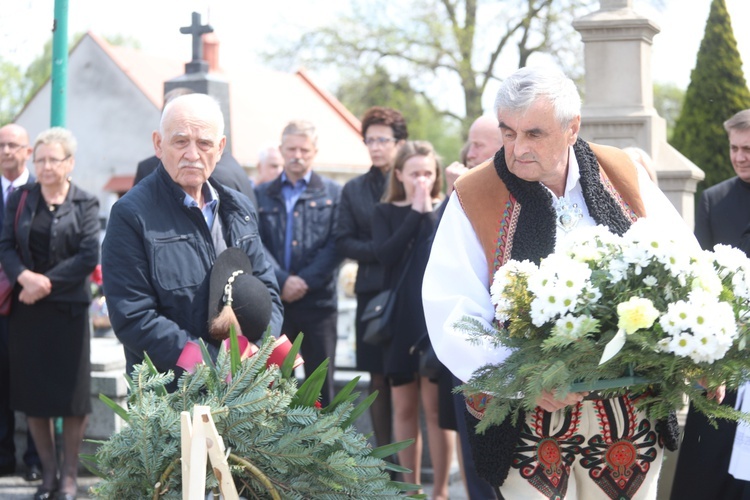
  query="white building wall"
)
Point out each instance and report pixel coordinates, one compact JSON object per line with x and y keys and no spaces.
{"x":108,"y":114}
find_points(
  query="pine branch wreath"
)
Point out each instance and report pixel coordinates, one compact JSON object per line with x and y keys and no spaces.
{"x":280,"y":443}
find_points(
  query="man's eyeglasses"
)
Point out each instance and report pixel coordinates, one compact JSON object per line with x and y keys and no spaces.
{"x":12,"y":146}
{"x":380,"y":141}
{"x":55,"y":162}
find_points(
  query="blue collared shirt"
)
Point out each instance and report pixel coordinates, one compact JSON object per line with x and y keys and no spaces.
{"x":291,"y":193}
{"x":211,"y":198}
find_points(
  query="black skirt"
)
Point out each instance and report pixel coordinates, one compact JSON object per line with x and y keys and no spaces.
{"x":50,"y":366}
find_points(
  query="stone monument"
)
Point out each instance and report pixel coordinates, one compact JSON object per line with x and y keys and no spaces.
{"x":618,"y":106}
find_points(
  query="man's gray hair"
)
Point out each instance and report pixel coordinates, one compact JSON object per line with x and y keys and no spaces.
{"x":740,"y":121}
{"x":203,"y":105}
{"x":58,"y":135}
{"x":526,"y":85}
{"x":301,"y":127}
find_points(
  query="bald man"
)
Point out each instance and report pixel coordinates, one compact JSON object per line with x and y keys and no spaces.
{"x":164,"y":235}
{"x":15,"y":151}
{"x":483,"y":142}
{"x":270,"y":165}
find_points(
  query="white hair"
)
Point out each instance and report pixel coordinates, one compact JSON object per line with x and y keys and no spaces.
{"x":263,"y":153}
{"x":526,"y":85}
{"x":58,"y":135}
{"x":199,"y":104}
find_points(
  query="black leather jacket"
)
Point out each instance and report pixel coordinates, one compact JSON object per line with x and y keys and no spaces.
{"x":314,"y":255}
{"x":354,"y":228}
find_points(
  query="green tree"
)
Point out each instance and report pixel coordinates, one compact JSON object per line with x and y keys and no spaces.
{"x":716,"y":91}
{"x":18,"y":86}
{"x":442,"y":45}
{"x":13,"y":91}
{"x":668,"y":99}
{"x":377,"y":88}
{"x":40,"y":68}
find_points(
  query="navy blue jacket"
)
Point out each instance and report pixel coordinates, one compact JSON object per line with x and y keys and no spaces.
{"x":314,"y":255}
{"x":157,"y":257}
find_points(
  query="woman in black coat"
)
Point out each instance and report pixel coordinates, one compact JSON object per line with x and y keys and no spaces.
{"x":48,"y":247}
{"x":383,"y":131}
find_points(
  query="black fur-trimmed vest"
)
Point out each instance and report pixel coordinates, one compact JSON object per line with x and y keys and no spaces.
{"x":515,"y":219}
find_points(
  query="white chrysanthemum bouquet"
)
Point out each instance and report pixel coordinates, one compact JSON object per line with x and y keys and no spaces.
{"x":638,"y":313}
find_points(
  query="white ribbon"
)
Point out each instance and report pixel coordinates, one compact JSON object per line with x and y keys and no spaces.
{"x":613,"y":346}
{"x":739,"y":464}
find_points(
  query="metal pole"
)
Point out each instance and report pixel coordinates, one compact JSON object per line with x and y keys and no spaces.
{"x":59,"y":79}
{"x":59,"y":110}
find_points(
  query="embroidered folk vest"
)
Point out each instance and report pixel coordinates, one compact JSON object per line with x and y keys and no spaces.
{"x":514,"y":218}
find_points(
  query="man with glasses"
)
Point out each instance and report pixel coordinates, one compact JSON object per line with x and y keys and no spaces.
{"x":296,"y":213}
{"x":15,"y":151}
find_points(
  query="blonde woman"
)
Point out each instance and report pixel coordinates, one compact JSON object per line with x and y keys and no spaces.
{"x":49,"y":246}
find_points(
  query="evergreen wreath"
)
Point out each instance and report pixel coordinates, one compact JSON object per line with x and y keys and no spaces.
{"x":280,"y":442}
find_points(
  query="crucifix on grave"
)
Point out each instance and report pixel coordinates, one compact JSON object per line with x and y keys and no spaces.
{"x":198,"y":76}
{"x":196,"y":30}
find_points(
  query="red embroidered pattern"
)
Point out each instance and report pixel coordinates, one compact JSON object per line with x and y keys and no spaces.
{"x":629,"y":213}
{"x":619,"y":458}
{"x":544,"y":459}
{"x":508,"y":224}
{"x":477,"y":403}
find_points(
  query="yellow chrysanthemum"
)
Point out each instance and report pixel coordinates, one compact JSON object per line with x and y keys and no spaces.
{"x":635,"y":314}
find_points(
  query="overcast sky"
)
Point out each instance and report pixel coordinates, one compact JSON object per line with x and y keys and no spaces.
{"x":26,"y":24}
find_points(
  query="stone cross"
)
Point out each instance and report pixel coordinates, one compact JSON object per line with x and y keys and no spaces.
{"x":196,"y":30}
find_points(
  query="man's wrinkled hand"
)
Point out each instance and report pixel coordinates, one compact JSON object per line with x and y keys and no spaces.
{"x":294,"y":289}
{"x":548,"y":400}
{"x":715,"y":394}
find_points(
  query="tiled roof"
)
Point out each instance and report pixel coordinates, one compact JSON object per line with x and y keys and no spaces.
{"x":262,"y":102}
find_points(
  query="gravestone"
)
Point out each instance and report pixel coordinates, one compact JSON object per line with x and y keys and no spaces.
{"x":618,"y":109}
{"x":198,"y":78}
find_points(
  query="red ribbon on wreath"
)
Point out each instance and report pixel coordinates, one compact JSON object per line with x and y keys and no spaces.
{"x":191,"y":354}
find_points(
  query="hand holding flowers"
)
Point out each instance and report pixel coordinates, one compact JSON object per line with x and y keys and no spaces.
{"x":604,"y":307}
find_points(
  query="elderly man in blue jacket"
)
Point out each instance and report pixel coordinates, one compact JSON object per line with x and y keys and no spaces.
{"x":297,"y":212}
{"x":164,"y":235}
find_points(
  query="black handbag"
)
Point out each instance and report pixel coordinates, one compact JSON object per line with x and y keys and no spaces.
{"x":6,"y":287}
{"x":376,"y":317}
{"x":6,"y":291}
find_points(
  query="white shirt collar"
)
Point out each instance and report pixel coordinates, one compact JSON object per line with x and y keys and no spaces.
{"x":20,"y":180}
{"x":573,"y":196}
{"x":574,"y":172}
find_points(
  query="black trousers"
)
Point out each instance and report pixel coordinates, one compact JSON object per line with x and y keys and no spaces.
{"x":7,"y":416}
{"x":320,"y":336}
{"x":478,"y":488}
{"x":703,"y":462}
